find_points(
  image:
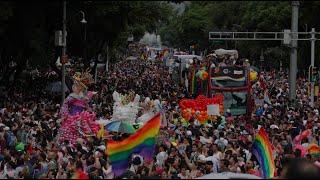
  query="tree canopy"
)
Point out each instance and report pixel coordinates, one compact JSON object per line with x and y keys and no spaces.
{"x":28,"y":28}
{"x":201,"y":17}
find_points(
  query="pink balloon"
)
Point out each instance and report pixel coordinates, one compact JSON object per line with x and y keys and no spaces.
{"x":297,"y":139}
{"x":305,"y":133}
{"x":301,"y":148}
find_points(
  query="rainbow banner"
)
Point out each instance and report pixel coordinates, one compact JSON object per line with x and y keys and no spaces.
{"x":262,"y":149}
{"x":314,"y":150}
{"x":141,"y":142}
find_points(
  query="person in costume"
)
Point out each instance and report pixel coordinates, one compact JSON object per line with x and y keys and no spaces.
{"x":78,"y":121}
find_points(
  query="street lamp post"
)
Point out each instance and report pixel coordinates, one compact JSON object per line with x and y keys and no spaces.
{"x":313,"y":40}
{"x":63,"y":58}
{"x":84,"y":22}
{"x":63,"y":68}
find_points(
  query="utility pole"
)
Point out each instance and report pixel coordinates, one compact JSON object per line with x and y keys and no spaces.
{"x":293,"y":55}
{"x":288,"y":37}
{"x":63,"y":68}
{"x":313,"y":40}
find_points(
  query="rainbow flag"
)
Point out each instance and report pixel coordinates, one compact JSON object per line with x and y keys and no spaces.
{"x":141,"y":142}
{"x":314,"y":150}
{"x":262,"y":149}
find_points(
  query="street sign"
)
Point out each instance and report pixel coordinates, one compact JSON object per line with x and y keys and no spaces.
{"x":58,"y":41}
{"x":286,"y":37}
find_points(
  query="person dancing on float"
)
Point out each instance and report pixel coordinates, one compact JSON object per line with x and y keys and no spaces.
{"x":78,"y":121}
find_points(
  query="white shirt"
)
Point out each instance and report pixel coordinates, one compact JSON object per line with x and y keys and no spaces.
{"x":201,"y":157}
{"x":225,"y":142}
{"x":218,"y":155}
{"x":197,"y":123}
{"x":248,"y":154}
{"x":161,"y":157}
{"x":204,"y":140}
{"x":215,"y":163}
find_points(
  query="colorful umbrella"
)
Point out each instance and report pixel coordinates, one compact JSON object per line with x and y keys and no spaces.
{"x":120,"y":126}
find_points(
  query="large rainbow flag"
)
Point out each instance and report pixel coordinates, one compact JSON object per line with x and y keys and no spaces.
{"x":262,"y":149}
{"x":141,"y":142}
{"x":314,"y":150}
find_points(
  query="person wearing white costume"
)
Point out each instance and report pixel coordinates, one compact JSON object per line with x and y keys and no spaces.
{"x":124,"y":109}
{"x":150,"y":109}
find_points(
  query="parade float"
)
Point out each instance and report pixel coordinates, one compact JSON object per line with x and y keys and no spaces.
{"x":126,"y":108}
{"x":220,"y":75}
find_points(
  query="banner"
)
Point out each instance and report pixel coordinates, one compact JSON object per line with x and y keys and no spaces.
{"x":229,"y":76}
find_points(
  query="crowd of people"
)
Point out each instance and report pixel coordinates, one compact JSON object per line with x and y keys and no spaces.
{"x":29,"y":123}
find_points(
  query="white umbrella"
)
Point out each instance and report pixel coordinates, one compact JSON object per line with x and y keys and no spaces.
{"x":229,"y":175}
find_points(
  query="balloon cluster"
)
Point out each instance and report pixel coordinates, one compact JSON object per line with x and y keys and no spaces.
{"x":86,"y":117}
{"x":297,"y":142}
{"x":198,"y":107}
{"x":202,"y":74}
{"x":300,"y":137}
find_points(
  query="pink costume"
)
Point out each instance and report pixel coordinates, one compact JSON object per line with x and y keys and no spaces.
{"x":77,"y":121}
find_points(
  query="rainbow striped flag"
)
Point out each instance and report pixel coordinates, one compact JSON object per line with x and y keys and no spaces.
{"x":262,"y":149}
{"x":314,"y":150}
{"x":141,"y":142}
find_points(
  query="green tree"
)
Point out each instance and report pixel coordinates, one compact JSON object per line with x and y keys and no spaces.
{"x":27,"y":31}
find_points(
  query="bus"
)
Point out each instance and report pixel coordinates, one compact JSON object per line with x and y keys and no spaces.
{"x":233,"y":82}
